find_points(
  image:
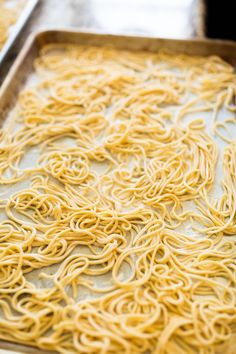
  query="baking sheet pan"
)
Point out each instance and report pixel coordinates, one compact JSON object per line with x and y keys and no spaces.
{"x":23,"y":68}
{"x":24,"y":63}
{"x":15,"y":29}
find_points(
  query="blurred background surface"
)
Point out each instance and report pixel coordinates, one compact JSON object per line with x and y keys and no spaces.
{"x":164,"y":18}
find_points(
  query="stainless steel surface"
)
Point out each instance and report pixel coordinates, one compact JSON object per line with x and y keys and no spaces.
{"x":23,"y":67}
{"x":17,"y":28}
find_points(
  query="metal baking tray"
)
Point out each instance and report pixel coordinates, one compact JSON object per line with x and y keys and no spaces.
{"x":17,"y":28}
{"x":23,"y":67}
{"x":24,"y":62}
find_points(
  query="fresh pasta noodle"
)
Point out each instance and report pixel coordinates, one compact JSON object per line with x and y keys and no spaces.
{"x":222,"y":214}
{"x":112,"y":240}
{"x":8,"y":17}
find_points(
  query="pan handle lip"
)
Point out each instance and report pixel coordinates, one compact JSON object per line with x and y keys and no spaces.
{"x":45,"y":31}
